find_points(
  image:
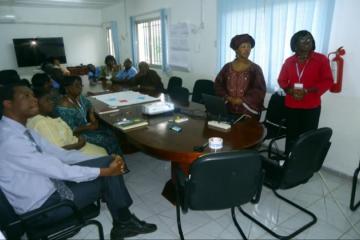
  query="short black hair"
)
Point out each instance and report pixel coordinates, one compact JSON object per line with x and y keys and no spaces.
{"x":39,"y":80}
{"x":26,"y":82}
{"x":109,"y":58}
{"x":300,"y":34}
{"x":7,"y":92}
{"x":39,"y":93}
{"x":68,"y":81}
{"x":9,"y":76}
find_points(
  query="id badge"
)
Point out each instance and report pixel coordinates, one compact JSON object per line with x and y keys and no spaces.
{"x":298,"y":85}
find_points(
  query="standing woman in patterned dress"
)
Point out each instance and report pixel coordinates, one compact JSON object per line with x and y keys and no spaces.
{"x":241,"y":82}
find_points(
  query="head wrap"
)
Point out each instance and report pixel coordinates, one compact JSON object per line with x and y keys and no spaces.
{"x":237,"y":40}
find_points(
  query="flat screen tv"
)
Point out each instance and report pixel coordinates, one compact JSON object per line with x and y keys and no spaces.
{"x":34,"y":51}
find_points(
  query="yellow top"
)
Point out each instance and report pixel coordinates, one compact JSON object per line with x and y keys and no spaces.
{"x":56,"y":131}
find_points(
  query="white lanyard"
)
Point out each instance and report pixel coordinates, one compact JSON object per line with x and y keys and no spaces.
{"x":80,"y":108}
{"x":300,"y":74}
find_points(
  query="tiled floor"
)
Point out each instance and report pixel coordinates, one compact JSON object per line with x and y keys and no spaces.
{"x":148,"y":175}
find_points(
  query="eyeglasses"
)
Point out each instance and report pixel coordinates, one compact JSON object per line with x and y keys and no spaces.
{"x":305,"y":39}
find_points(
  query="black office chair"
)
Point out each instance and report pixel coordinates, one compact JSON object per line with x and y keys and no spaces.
{"x":305,"y":158}
{"x":202,"y":86}
{"x":174,"y":83}
{"x":353,"y":205}
{"x":14,"y":226}
{"x":275,"y":123}
{"x":219,"y":181}
{"x":180,"y":96}
{"x":9,"y":76}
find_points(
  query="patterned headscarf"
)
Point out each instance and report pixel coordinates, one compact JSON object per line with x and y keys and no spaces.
{"x":237,"y":40}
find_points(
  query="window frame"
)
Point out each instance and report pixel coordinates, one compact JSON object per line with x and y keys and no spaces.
{"x":110,"y":42}
{"x":163,"y":15}
{"x":151,"y":58}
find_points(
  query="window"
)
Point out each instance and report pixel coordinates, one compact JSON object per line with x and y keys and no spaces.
{"x":110,"y":42}
{"x":149,"y":41}
{"x":149,"y":38}
{"x":272,"y":23}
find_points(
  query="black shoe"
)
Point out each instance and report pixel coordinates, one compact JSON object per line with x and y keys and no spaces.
{"x":130,"y":228}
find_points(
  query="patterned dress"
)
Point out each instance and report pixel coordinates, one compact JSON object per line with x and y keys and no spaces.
{"x":76,"y":117}
{"x":249,"y":85}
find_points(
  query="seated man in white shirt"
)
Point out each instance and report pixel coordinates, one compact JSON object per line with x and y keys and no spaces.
{"x":30,"y":167}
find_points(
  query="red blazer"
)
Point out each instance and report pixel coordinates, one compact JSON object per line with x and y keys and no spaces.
{"x":316,"y":73}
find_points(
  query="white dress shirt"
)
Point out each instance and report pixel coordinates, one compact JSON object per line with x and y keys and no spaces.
{"x":25,"y":172}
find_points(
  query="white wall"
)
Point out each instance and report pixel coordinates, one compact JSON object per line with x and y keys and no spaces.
{"x":81,"y":29}
{"x":339,"y":111}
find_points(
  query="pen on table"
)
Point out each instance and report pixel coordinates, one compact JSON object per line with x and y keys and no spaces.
{"x":241,"y":117}
{"x":201,"y":148}
{"x":109,"y":111}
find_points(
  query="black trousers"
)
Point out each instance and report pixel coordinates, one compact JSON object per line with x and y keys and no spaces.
{"x":112,"y":189}
{"x":298,"y":122}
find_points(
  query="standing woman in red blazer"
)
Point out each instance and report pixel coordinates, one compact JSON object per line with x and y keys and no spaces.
{"x":305,"y":76}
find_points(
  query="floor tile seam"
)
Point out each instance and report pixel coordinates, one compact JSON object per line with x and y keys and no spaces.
{"x":194,"y":230}
{"x":341,"y":210}
{"x":290,"y":216}
{"x":197,"y":228}
{"x":168,"y":227}
{"x":347,"y":231}
{"x":322,"y":219}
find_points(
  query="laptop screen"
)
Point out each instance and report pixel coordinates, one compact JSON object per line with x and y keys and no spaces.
{"x":215,"y":107}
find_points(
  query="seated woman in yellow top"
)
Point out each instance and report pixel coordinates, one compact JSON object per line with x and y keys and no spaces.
{"x":56,"y":131}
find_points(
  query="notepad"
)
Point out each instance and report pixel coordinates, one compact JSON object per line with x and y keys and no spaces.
{"x":131,"y":123}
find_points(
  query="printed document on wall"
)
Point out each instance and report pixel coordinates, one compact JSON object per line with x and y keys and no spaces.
{"x":179,"y":47}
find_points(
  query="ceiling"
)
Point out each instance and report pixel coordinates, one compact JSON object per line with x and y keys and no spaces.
{"x":61,"y":3}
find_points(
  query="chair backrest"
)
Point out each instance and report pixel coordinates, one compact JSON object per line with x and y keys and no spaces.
{"x":223,"y":180}
{"x":9,"y":76}
{"x":174,"y":82}
{"x":7,"y":216}
{"x":202,"y":86}
{"x":306,"y":157}
{"x":180,"y":96}
{"x":276,"y":111}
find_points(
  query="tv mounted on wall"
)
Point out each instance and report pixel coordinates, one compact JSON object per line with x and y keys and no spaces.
{"x":34,"y":51}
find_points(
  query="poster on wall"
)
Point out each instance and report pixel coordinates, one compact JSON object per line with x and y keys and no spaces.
{"x":179,"y":46}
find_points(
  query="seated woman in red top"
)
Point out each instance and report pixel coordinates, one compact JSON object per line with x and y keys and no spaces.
{"x":241,"y":82}
{"x":305,"y":76}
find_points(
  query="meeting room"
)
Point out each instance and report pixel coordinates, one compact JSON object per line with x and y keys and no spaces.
{"x":168,"y":119}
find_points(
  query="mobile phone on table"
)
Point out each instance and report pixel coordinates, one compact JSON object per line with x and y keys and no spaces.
{"x":175,"y":128}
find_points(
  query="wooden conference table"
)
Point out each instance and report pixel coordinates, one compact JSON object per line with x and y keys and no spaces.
{"x":158,"y":140}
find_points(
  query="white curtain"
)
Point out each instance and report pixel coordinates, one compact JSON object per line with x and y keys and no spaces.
{"x":272,"y":24}
{"x":115,"y":40}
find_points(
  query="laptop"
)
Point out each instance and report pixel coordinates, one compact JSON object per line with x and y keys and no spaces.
{"x":217,"y":110}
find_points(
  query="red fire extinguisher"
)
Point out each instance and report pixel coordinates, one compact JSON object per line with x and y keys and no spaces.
{"x":337,"y":66}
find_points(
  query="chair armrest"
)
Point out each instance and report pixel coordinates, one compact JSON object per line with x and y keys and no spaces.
{"x":270,"y":147}
{"x":180,"y":177}
{"x":257,"y":196}
{"x":181,"y":189}
{"x":24,"y":218}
